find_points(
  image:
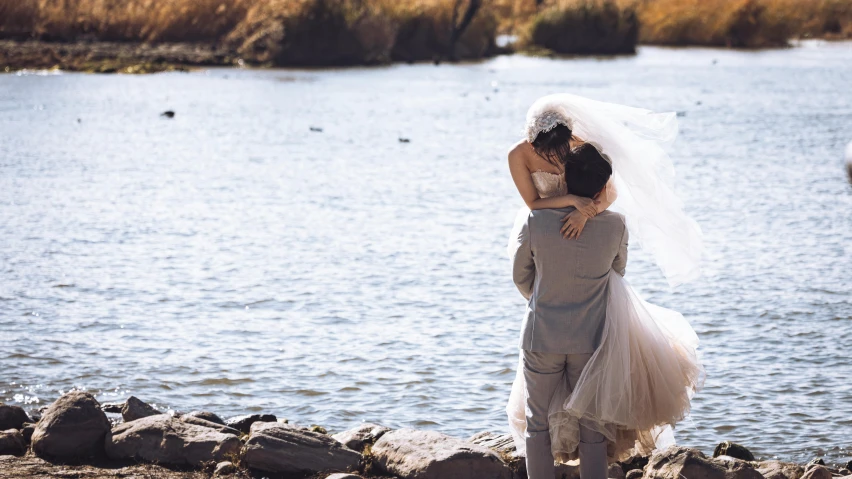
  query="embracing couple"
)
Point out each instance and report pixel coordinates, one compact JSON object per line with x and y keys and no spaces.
{"x":602,"y":374}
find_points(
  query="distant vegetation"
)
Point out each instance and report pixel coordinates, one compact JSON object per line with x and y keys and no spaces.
{"x":350,"y":32}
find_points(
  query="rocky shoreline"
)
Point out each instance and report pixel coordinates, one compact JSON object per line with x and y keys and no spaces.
{"x":75,"y":437}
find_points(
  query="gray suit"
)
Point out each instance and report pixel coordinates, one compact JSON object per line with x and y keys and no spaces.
{"x":565,"y":282}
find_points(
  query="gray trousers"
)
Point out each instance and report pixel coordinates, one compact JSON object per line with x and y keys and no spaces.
{"x":542,"y":374}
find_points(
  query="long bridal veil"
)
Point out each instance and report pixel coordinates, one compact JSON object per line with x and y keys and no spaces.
{"x":633,"y":139}
{"x":640,"y":380}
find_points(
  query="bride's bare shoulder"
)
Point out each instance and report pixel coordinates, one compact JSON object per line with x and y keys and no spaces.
{"x":519,"y":152}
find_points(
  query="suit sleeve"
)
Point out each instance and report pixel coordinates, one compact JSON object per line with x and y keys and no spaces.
{"x":619,"y":264}
{"x":523,"y":265}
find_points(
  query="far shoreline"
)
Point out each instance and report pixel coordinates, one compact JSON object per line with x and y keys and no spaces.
{"x":143,"y":58}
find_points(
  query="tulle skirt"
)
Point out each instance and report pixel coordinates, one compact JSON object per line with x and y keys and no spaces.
{"x":636,"y":386}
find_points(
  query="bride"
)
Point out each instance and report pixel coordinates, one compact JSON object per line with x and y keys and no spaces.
{"x":641,"y":378}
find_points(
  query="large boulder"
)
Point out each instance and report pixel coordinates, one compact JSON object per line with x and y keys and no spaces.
{"x":634,"y":474}
{"x":27,"y":430}
{"x":780,"y":470}
{"x":224,"y":468}
{"x":732,"y":449}
{"x":243,"y":423}
{"x":205,"y":423}
{"x":12,"y":443}
{"x":72,"y":428}
{"x":615,"y":471}
{"x":678,"y":462}
{"x":166,"y":440}
{"x":12,"y":417}
{"x":504,"y":446}
{"x":259,"y":427}
{"x":134,"y":408}
{"x":413,"y":454}
{"x":284,"y":448}
{"x":360,"y":437}
{"x":112,"y":407}
{"x":207,"y":416}
{"x":817,"y":472}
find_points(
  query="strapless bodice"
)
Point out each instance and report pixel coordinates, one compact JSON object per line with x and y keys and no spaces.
{"x":549,"y":184}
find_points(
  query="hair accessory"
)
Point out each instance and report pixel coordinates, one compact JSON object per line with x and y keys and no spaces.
{"x":546,"y":121}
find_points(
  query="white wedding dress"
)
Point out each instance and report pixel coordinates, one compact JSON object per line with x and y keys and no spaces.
{"x":637,"y":384}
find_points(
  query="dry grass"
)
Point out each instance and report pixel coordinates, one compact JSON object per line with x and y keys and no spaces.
{"x":742,"y":23}
{"x":121,"y":20}
{"x":734,"y":23}
{"x":345,"y":32}
{"x":583,"y":27}
{"x":286,"y":32}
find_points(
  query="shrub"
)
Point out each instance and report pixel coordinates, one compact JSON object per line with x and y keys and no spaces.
{"x":583,"y":27}
{"x":435,"y":31}
{"x":733,"y":23}
{"x":315,"y":33}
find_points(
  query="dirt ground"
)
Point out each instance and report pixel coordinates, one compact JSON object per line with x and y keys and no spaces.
{"x":29,"y":466}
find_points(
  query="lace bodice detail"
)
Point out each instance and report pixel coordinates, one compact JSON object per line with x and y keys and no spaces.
{"x":549,"y":184}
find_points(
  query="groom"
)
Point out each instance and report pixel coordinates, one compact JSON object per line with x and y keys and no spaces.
{"x":565,"y":282}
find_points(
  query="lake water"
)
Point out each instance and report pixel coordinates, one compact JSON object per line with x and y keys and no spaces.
{"x":234,"y":260}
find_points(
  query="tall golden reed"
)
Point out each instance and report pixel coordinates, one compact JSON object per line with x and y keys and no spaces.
{"x":411,"y":30}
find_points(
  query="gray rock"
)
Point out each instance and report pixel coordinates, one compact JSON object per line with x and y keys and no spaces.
{"x":413,"y":454}
{"x":207,"y":416}
{"x":780,"y":470}
{"x":361,"y":436}
{"x":27,"y":430}
{"x":634,"y":462}
{"x":72,"y":428}
{"x":732,"y":449}
{"x":684,"y":463}
{"x":283,"y":448}
{"x":225,"y":468}
{"x":12,"y":443}
{"x":817,"y":472}
{"x":259,"y":427}
{"x":243,"y":423}
{"x":12,"y":417}
{"x":565,"y":471}
{"x":634,"y":474}
{"x":166,"y":440}
{"x":135,"y":409}
{"x":615,"y":472}
{"x":205,"y":423}
{"x":112,"y":407}
{"x":342,"y":475}
{"x":504,"y":446}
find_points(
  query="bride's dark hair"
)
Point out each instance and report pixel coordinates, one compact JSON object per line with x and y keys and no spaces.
{"x":554,"y":145}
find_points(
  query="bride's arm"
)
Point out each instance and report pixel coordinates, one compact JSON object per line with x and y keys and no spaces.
{"x":574,"y":222}
{"x":522,"y":177}
{"x":607,"y":196}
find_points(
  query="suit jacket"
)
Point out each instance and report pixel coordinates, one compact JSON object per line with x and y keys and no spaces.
{"x":565,"y":280}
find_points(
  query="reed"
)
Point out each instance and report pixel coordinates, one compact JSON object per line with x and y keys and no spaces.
{"x":285,"y":32}
{"x":583,"y":27}
{"x":742,"y":23}
{"x":345,"y":32}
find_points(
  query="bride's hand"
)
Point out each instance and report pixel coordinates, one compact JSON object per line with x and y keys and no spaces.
{"x":574,"y":224}
{"x":587,"y":206}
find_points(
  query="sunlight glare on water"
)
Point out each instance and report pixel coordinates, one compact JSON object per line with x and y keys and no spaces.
{"x":232,"y":259}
